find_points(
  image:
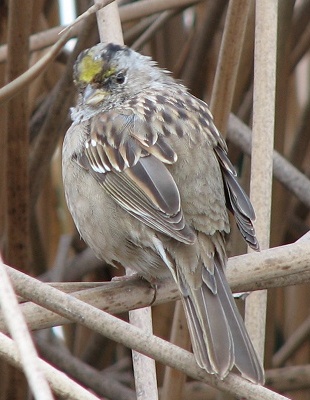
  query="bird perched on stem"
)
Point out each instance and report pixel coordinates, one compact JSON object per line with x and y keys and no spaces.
{"x":148,"y":183}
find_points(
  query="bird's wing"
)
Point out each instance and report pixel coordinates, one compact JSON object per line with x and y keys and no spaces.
{"x":130,"y":165}
{"x":236,"y":199}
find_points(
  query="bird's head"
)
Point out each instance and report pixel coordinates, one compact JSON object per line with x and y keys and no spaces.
{"x":108,"y":71}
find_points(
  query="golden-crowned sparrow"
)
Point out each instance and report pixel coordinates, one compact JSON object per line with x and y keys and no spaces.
{"x":148,"y":183}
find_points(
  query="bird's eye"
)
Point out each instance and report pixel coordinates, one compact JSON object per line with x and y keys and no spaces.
{"x":120,"y":78}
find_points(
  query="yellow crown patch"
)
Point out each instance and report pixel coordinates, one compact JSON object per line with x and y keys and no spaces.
{"x":89,"y":68}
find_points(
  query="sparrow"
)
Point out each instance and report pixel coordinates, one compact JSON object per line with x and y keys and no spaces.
{"x":148,"y":182}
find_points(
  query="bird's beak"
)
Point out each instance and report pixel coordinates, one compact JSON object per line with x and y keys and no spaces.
{"x":93,"y":96}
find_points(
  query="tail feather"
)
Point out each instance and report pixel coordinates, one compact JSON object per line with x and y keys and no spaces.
{"x":218,"y":333}
{"x":198,"y":342}
{"x":246,"y":359}
{"x":209,"y":329}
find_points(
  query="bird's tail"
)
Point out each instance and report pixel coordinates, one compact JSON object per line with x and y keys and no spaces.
{"x":219,"y":337}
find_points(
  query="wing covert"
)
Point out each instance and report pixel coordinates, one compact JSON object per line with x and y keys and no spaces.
{"x":134,"y":174}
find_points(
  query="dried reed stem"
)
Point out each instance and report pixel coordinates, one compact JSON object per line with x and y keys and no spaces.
{"x":228,"y":62}
{"x":131,"y":336}
{"x":110,"y":30}
{"x":265,"y":58}
{"x":21,"y":336}
{"x":60,"y":383}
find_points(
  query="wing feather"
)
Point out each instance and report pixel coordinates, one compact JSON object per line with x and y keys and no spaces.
{"x":159,"y":209}
{"x":237,"y":200}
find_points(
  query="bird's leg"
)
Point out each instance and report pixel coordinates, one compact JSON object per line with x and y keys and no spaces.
{"x":133,"y":276}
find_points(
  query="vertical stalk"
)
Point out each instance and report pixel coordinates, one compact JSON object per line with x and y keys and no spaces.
{"x":228,"y":64}
{"x":17,"y":250}
{"x":265,"y":60}
{"x":174,"y":380}
{"x":143,"y":366}
{"x":110,"y":30}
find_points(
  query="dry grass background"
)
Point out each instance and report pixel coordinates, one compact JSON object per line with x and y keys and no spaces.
{"x":247,"y":57}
